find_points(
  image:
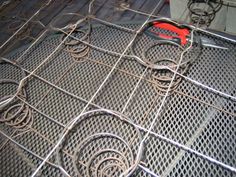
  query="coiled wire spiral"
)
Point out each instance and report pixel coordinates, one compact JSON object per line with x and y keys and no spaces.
{"x":15,"y":114}
{"x":77,"y":49}
{"x":107,"y":150}
{"x":162,"y":77}
{"x":16,"y":24}
{"x":203,"y":12}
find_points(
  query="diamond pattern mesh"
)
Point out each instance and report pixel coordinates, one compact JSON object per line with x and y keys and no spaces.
{"x":191,"y":116}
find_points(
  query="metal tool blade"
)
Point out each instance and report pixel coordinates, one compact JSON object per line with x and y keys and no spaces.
{"x":206,"y":42}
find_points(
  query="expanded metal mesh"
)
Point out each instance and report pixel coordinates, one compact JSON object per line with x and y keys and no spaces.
{"x":192,"y":116}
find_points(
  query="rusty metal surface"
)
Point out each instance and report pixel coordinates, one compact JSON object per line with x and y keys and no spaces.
{"x":106,"y":143}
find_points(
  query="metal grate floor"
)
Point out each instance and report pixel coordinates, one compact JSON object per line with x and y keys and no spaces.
{"x":104,"y":144}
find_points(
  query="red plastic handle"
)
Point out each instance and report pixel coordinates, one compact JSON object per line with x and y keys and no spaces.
{"x":182,"y":32}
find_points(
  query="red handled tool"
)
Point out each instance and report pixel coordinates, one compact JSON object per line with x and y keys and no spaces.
{"x":181,"y":34}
